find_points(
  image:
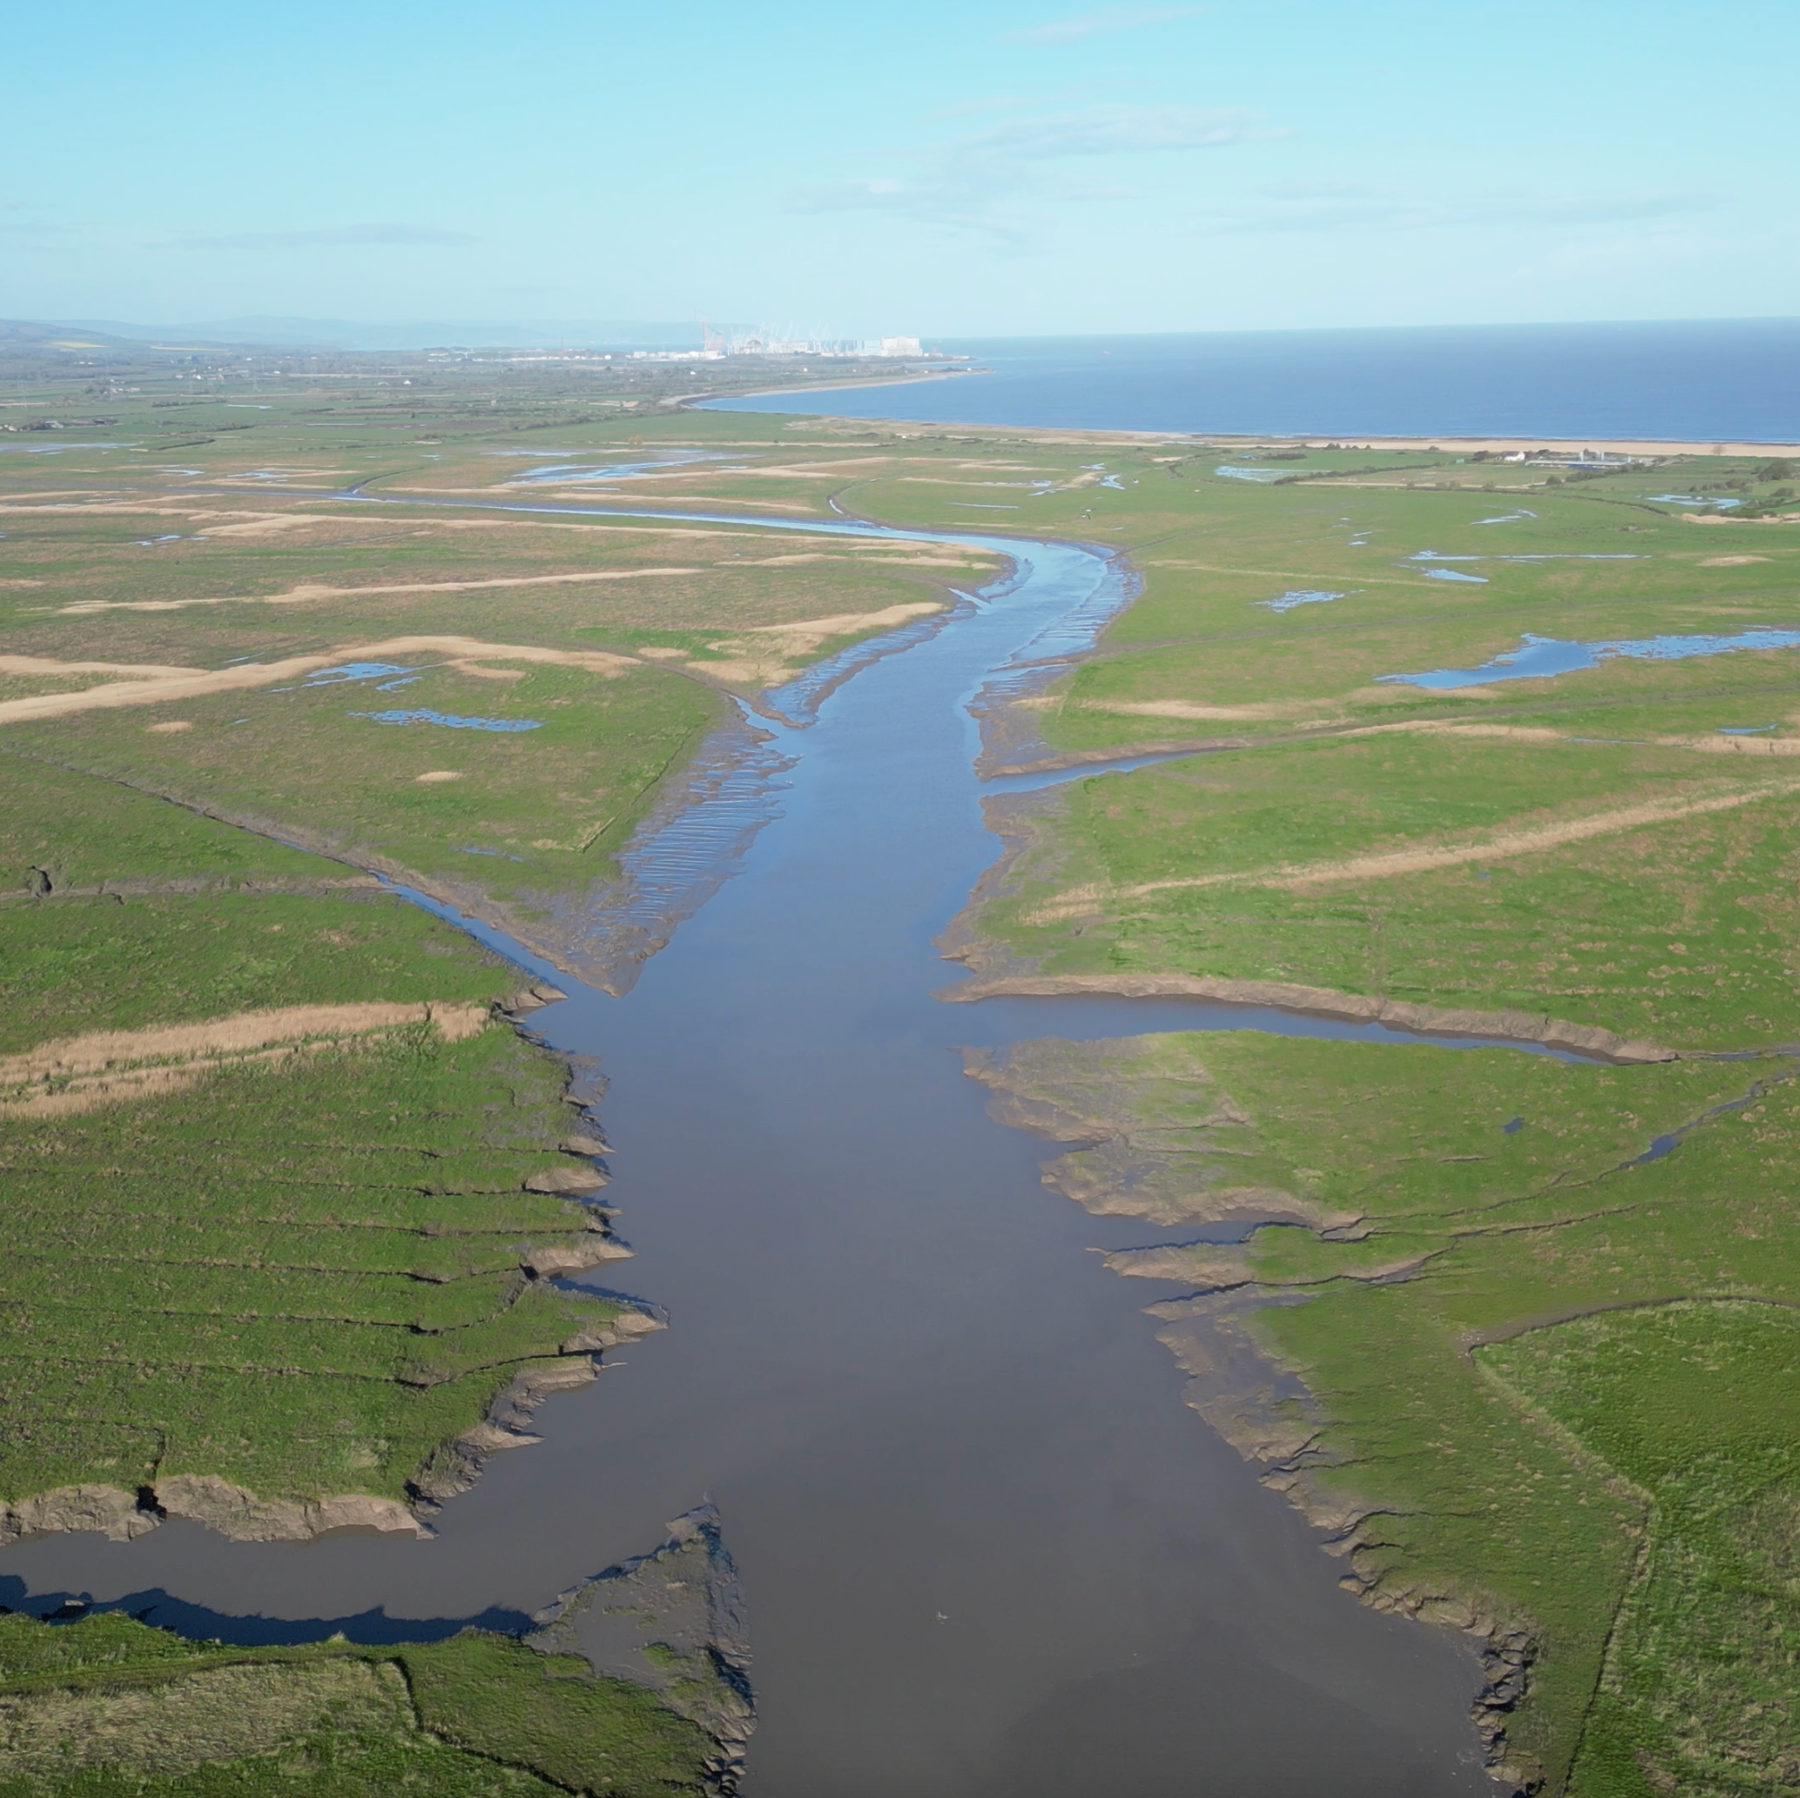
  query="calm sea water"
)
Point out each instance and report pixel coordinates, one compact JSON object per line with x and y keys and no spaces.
{"x":1714,"y":380}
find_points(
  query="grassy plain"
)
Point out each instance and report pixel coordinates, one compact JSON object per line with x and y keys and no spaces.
{"x":1593,"y":846}
{"x":1545,"y":1385}
{"x":1481,"y":1197}
{"x":312,"y":523}
{"x":295,"y":1265}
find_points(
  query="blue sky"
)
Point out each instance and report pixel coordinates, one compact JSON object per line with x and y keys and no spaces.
{"x":1001,"y":169}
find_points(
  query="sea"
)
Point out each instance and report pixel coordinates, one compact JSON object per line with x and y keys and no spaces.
{"x":1700,"y":380}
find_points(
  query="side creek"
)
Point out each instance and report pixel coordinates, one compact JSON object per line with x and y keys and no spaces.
{"x":986,"y":1551}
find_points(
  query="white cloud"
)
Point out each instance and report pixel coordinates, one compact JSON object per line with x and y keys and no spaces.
{"x":979,"y":182}
{"x":1105,"y":18}
{"x":1343,"y":206}
{"x":332,"y":236}
{"x":1122,"y":130}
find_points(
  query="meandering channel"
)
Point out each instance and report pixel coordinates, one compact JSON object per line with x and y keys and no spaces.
{"x":987,"y":1552}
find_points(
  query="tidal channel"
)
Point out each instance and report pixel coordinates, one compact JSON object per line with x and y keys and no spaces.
{"x":987,"y":1552}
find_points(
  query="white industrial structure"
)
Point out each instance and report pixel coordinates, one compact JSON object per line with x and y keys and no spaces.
{"x":766,"y":341}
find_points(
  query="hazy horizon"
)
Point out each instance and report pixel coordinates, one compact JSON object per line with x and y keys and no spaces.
{"x":375,"y":335}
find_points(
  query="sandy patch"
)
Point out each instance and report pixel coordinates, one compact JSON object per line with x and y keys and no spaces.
{"x":1420,"y":859}
{"x":663,"y":652}
{"x":436,"y":775}
{"x":188,"y":683}
{"x":170,"y":726}
{"x":68,"y":493}
{"x":104,"y":1067}
{"x":304,"y":594}
{"x":1732,"y":518}
{"x":154,"y":508}
{"x":130,"y":670}
{"x":973,"y":558}
{"x":932,"y":480}
{"x":19,"y":581}
{"x":762,"y":655}
{"x":836,"y":466}
{"x":1185,"y":708}
{"x":1730,"y":561}
{"x":264,"y":523}
{"x":804,"y":635}
{"x":482,"y":672}
{"x":1713,"y":743}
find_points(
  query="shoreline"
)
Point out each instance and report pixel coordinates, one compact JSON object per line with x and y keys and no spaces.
{"x":1459,"y":443}
{"x":696,"y":402}
{"x":1587,"y":1040}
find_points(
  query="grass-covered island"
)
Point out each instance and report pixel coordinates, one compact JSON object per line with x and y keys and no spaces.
{"x":287,"y":1191}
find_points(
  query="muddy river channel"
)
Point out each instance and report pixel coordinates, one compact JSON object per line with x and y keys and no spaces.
{"x":986,"y":1550}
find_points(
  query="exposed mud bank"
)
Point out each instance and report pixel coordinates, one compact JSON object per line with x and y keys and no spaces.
{"x":240,"y":1514}
{"x":1144,"y":1161}
{"x":1008,"y":706}
{"x":1266,"y":1412}
{"x":457,"y":1465}
{"x":1318,"y":1001}
{"x":672,"y":1621}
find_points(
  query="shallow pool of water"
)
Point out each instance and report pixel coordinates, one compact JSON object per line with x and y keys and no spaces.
{"x":585,"y":474}
{"x":450,"y":720}
{"x":1541,"y":656}
{"x":1298,"y":596}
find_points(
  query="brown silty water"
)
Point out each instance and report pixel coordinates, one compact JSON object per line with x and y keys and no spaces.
{"x":986,"y":1550}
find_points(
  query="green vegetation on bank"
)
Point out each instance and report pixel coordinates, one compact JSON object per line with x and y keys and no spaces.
{"x":462,"y":548}
{"x":1469,"y":1197}
{"x":106,"y":1706}
{"x":1693,"y":1406}
{"x":1537,"y":1386}
{"x":1312,"y":863}
{"x":296,"y":1263}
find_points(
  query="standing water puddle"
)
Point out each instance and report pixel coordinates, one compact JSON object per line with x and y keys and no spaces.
{"x":987,"y":1552}
{"x":1541,"y":656}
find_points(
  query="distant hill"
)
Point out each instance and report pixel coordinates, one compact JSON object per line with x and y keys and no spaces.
{"x":29,"y":334}
{"x":350,"y":334}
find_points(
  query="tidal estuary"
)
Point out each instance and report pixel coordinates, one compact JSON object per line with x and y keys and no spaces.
{"x":986,"y":1551}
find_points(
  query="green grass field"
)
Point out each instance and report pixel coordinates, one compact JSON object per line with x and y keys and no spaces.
{"x":1480,"y":1196}
{"x":107,"y":1706}
{"x":1545,"y":1388}
{"x":302,"y":1274}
